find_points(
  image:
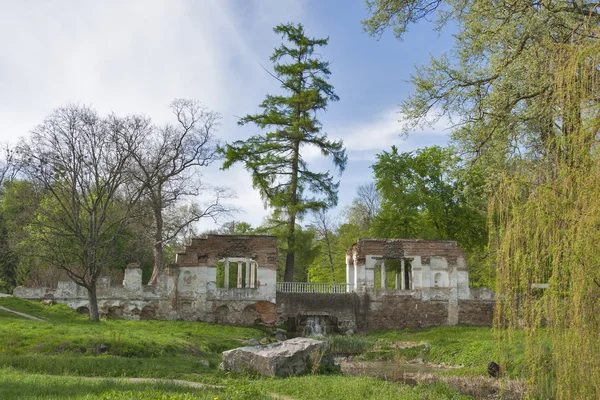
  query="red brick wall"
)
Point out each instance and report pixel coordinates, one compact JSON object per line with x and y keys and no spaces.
{"x":401,"y":312}
{"x":208,"y":250}
{"x":398,"y":248}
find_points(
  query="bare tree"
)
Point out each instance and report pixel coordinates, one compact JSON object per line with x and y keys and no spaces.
{"x":9,"y":167}
{"x":166,"y":167}
{"x":365,"y":206}
{"x":79,"y":159}
{"x":324,"y":227}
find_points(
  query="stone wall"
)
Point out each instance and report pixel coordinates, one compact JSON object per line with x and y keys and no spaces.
{"x":399,"y":248}
{"x":385,"y":309}
{"x":187,"y":290}
{"x":407,"y":311}
{"x":344,"y":310}
{"x":476,"y":312}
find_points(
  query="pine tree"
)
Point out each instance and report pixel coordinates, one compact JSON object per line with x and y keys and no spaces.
{"x":274,"y":159}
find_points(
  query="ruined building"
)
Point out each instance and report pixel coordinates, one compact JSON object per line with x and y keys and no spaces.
{"x":390,"y":283}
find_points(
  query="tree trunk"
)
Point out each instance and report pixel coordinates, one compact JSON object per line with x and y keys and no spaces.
{"x":158,"y":244}
{"x":94,"y":315}
{"x":288,"y":275}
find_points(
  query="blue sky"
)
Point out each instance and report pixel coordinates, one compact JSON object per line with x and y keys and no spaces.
{"x":136,"y":56}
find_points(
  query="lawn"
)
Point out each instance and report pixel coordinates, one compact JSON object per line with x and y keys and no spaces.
{"x":70,"y":357}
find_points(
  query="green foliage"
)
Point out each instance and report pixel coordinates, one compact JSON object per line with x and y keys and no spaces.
{"x":524,"y":86}
{"x":344,"y":237}
{"x":429,"y":194}
{"x":274,"y":159}
{"x":353,"y":344}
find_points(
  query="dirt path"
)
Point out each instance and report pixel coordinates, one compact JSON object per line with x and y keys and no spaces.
{"x":22,"y":314}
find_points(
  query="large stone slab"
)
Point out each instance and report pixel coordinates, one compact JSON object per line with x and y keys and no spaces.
{"x":290,"y":357}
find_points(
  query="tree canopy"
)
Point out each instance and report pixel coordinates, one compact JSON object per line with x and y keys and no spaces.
{"x":522,"y":89}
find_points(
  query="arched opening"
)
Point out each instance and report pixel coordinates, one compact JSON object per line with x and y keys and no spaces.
{"x":83,"y":310}
{"x":114,"y":313}
{"x":250,"y":316}
{"x":222,"y":315}
{"x":148,"y":312}
{"x":437,"y":280}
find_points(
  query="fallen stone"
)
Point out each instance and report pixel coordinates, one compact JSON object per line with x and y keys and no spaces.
{"x":253,"y":342}
{"x":204,"y":363}
{"x":291,"y":357}
{"x":349,"y":332}
{"x":265,"y":340}
{"x":48,"y":302}
{"x":280,"y":336}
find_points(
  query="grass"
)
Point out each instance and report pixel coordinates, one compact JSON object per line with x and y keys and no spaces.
{"x":467,"y":346}
{"x":339,"y":387}
{"x":44,"y":359}
{"x":18,"y":385}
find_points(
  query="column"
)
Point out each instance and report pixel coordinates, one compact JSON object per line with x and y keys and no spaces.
{"x":240,"y":275}
{"x":397,"y":281}
{"x":350,"y":275}
{"x":383,"y":276}
{"x":402,"y":274}
{"x":253,"y":267}
{"x":247,"y":272}
{"x":226,"y":282}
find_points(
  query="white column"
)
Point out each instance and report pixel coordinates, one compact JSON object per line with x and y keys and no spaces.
{"x":350,"y":274}
{"x":402,"y":273}
{"x":247,"y":272}
{"x":226,"y":281}
{"x":240,"y":276}
{"x":253,"y":267}
{"x":383,"y":276}
{"x":397,"y":282}
{"x":355,"y":275}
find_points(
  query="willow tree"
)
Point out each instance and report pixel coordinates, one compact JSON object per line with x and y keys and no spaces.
{"x":524,"y":87}
{"x":279,"y":171}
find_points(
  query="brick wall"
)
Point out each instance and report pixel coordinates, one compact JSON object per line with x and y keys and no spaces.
{"x":401,"y":312}
{"x":210,"y":249}
{"x":348,"y":309}
{"x":398,"y":248}
{"x":476,"y":312}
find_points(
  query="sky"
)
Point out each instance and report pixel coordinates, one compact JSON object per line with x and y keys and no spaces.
{"x":136,"y":56}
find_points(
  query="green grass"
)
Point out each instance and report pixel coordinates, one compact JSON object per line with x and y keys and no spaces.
{"x":18,"y":385}
{"x":354,"y":344}
{"x":43,"y":359}
{"x":338,"y":387}
{"x":467,"y":346}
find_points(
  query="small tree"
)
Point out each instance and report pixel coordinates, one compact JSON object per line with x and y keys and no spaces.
{"x":79,"y":160}
{"x":325,"y":234}
{"x":275,"y":159}
{"x":165,"y":169}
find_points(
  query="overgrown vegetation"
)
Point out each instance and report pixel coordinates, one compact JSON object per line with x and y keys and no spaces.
{"x":44,"y":360}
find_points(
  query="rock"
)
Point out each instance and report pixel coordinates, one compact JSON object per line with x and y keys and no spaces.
{"x":253,"y":342}
{"x":265,"y":340}
{"x":204,"y":363}
{"x":280,"y":336}
{"x":494,"y":370}
{"x":102,"y":349}
{"x":349,"y":332}
{"x":279,"y":330}
{"x":48,"y":302}
{"x":291,"y":357}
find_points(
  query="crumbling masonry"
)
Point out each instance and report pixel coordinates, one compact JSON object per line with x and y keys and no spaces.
{"x":390,"y":283}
